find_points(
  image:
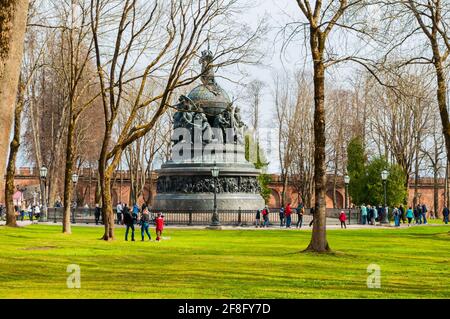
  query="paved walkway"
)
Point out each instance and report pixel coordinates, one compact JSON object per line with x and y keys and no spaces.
{"x":273,"y":227}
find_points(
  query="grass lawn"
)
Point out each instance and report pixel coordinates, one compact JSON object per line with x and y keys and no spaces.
{"x":415,"y":263}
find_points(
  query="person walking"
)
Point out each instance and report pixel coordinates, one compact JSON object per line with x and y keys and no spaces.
{"x":300,"y":212}
{"x":374,"y":215}
{"x":144,"y":221}
{"x":396,"y":214}
{"x":37,"y":212}
{"x":30,"y":212}
{"x":380,"y":213}
{"x":265,"y":214}
{"x":402,"y":214}
{"x":144,"y":206}
{"x":424,"y":214}
{"x":135,"y":213}
{"x":288,"y":214}
{"x":258,"y":218}
{"x":409,"y":215}
{"x":369,"y":215}
{"x":119,"y":209}
{"x":363,"y":214}
{"x":417,"y":214}
{"x":159,"y":226}
{"x":445,"y":213}
{"x":282,"y":214}
{"x":97,"y":212}
{"x":342,"y":219}
{"x":23,"y":208}
{"x":129,"y":223}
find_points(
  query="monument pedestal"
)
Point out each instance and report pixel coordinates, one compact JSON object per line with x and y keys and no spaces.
{"x":188,"y":184}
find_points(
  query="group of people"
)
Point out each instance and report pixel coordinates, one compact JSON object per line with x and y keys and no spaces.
{"x":142,"y":217}
{"x":285,"y":214}
{"x":32,"y":211}
{"x":371,"y":214}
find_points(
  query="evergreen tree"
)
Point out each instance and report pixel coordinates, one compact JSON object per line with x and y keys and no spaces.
{"x":395,"y":187}
{"x":356,"y":169}
{"x":257,"y":157}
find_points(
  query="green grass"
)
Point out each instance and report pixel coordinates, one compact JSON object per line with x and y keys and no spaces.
{"x":415,"y":263}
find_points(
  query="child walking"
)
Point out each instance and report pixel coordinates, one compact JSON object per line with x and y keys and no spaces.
{"x":159,"y":226}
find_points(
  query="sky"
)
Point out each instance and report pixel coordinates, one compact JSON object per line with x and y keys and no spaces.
{"x":276,"y":13}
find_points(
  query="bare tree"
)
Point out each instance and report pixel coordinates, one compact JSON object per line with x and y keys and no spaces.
{"x":434,"y":150}
{"x":322,"y":17}
{"x":286,"y":114}
{"x":254,"y":95}
{"x":302,"y":168}
{"x":176,"y":31}
{"x":339,"y":131}
{"x":415,"y":21}
{"x":13,"y":149}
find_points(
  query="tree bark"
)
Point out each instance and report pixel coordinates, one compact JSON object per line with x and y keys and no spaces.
{"x":105,"y":187}
{"x":11,"y":168}
{"x":441,"y":94}
{"x":68,"y":188}
{"x":319,"y":241}
{"x":13,"y":17}
{"x":436,"y":193}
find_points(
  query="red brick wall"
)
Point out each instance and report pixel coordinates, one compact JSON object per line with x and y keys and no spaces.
{"x":27,"y":177}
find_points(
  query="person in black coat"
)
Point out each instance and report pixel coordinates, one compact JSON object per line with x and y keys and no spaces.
{"x":128,"y":222}
{"x":97,"y":213}
{"x":446,"y":213}
{"x":402,"y":214}
{"x":258,"y":218}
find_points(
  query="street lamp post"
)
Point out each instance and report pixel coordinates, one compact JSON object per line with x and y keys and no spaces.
{"x":43,"y":175}
{"x":346,"y":182}
{"x":384,"y":177}
{"x":75,"y":181}
{"x":215,"y":222}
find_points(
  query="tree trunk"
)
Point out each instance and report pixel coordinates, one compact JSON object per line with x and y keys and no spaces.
{"x":68,"y":177}
{"x":284,"y":200}
{"x":441,"y":95}
{"x":319,"y":241}
{"x":13,"y":17}
{"x":13,"y":149}
{"x":105,"y":187}
{"x":436,"y":193}
{"x":447,"y":183}
{"x":107,"y":210}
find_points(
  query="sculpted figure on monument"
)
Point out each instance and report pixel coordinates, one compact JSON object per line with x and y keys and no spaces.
{"x":238,"y":126}
{"x":207,"y":77}
{"x":201,"y":123}
{"x":183,"y":118}
{"x":220,"y":124}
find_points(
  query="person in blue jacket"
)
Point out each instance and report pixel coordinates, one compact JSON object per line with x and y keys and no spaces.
{"x":135,"y":213}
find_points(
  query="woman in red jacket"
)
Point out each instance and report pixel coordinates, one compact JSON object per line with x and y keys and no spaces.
{"x":159,"y":226}
{"x":343,"y":218}
{"x":287,"y":213}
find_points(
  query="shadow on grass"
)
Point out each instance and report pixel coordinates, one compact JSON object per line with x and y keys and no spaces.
{"x":434,"y":236}
{"x":40,"y":248}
